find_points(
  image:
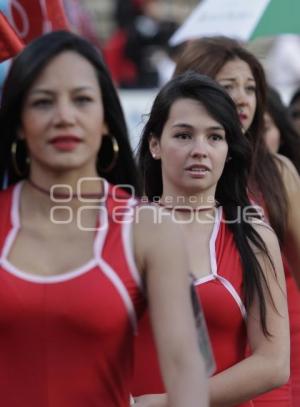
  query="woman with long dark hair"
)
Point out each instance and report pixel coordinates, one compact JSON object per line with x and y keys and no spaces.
{"x":294,"y":110}
{"x":273,"y":182}
{"x":72,"y":257}
{"x":279,"y":134}
{"x":194,"y":163}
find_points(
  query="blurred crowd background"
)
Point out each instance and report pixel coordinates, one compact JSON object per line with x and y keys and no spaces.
{"x":134,"y":38}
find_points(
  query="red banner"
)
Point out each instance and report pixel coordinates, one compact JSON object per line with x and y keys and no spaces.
{"x":32,"y":18}
{"x":10,"y":43}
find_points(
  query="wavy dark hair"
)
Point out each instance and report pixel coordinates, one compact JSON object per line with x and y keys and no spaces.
{"x":231,"y":191}
{"x":289,"y":138}
{"x":23,"y":72}
{"x":295,"y":97}
{"x":207,"y":56}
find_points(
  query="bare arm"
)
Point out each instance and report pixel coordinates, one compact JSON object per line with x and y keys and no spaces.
{"x":268,"y":365}
{"x":161,"y":255}
{"x":291,"y":182}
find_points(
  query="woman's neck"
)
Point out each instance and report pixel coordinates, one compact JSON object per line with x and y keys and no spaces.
{"x":65,"y":192}
{"x":43,"y":192}
{"x":38,"y":206}
{"x":181,"y":202}
{"x":194,"y":209}
{"x":66,"y":185}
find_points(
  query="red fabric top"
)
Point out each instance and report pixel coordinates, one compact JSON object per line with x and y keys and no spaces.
{"x":221,"y":298}
{"x":66,"y":340}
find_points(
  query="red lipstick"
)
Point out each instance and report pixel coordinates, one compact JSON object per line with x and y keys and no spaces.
{"x":65,"y":142}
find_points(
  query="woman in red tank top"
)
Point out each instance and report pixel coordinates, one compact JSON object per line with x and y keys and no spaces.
{"x":195,"y":159}
{"x":273,"y":181}
{"x":73,"y":258}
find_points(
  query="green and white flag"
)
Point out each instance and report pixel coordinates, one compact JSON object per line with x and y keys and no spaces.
{"x":240,"y":19}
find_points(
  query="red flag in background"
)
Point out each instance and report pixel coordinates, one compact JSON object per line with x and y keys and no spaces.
{"x":32,"y":18}
{"x":10,"y":43}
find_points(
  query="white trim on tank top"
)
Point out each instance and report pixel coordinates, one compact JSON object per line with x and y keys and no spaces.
{"x":127,"y":238}
{"x":69,"y":275}
{"x":214,"y":267}
{"x":34,"y":278}
{"x":113,"y":276}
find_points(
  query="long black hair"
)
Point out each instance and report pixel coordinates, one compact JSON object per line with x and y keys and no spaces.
{"x":24,"y":71}
{"x":231,"y":191}
{"x":289,"y":138}
{"x":208,"y":56}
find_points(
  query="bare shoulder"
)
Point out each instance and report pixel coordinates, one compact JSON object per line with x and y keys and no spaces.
{"x":273,"y":268}
{"x":266,"y":233}
{"x":291,"y":180}
{"x":154,"y":233}
{"x":285,"y":165}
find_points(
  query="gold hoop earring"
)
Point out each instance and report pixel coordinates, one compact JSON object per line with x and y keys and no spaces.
{"x":14,"y":161}
{"x":115,"y":149}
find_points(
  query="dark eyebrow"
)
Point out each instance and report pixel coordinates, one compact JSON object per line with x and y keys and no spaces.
{"x":50,"y":92}
{"x":189,"y":126}
{"x":216,"y":128}
{"x":44,"y":91}
{"x":80,"y":88}
{"x":233,"y":79}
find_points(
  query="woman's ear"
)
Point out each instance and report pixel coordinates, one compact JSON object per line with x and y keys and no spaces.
{"x":154,"y":147}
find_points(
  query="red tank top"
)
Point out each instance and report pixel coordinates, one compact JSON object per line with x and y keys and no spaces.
{"x":287,"y":395}
{"x":66,"y":340}
{"x":221,"y":297}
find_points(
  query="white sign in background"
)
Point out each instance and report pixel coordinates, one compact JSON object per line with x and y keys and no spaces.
{"x":232,"y":18}
{"x":136,"y":105}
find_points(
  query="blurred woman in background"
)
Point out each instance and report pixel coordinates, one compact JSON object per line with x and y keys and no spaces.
{"x":279,"y":133}
{"x":294,"y":110}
